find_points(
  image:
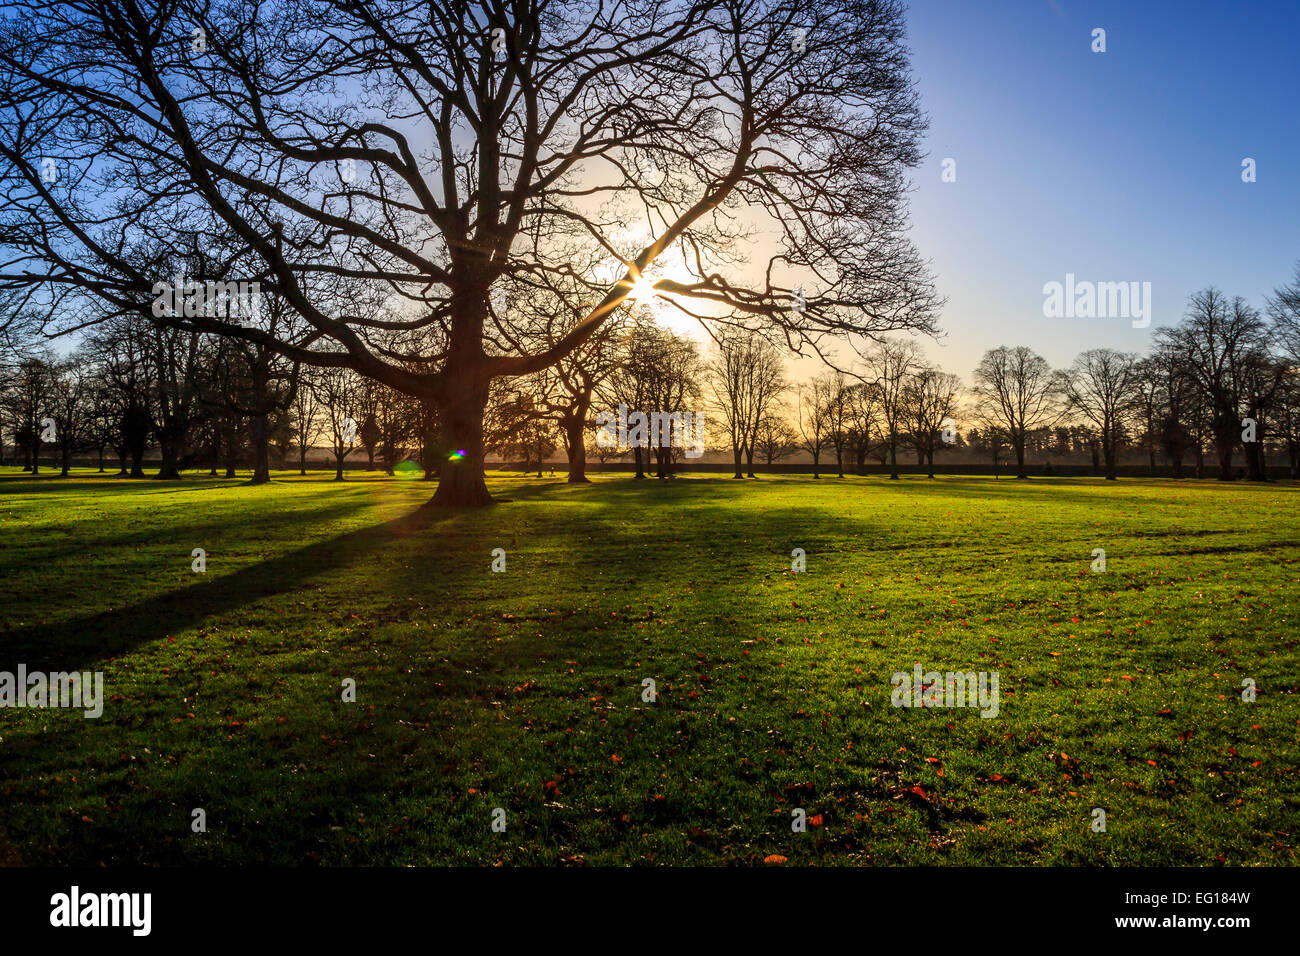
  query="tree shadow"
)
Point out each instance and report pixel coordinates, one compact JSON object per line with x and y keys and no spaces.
{"x":76,"y":644}
{"x":12,"y":560}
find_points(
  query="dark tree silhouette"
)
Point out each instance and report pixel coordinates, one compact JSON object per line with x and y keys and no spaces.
{"x":1017,"y":393}
{"x":433,"y":152}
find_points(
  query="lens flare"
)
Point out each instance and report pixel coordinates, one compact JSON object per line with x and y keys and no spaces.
{"x":456,"y":455}
{"x":642,"y":291}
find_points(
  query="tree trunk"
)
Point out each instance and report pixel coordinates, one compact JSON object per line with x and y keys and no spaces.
{"x":749,"y":462}
{"x":169,"y":470}
{"x":262,"y":451}
{"x":893,"y":456}
{"x":1255,"y":459}
{"x":462,"y":483}
{"x":135,"y":436}
{"x":577,"y":449}
{"x":1151,"y":447}
{"x":735,"y":451}
{"x":1019,"y":448}
{"x":1225,"y":459}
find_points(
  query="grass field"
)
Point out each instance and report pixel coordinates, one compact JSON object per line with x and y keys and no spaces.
{"x":523,"y":689}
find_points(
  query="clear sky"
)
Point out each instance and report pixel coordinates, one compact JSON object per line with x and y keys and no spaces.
{"x":1115,"y":166}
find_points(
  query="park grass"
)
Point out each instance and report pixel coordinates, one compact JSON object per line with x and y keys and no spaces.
{"x":523,"y":690}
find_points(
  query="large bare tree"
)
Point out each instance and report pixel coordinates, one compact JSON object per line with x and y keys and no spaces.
{"x":1017,"y":392}
{"x":567,"y":389}
{"x":930,"y":400}
{"x":70,"y":409}
{"x":746,"y":377}
{"x":861,"y":421}
{"x":815,"y":398}
{"x":889,"y":368}
{"x":1103,"y":386}
{"x":776,"y":437}
{"x":1222,"y":345}
{"x":1284,"y":310}
{"x":26,"y":403}
{"x":434,"y":153}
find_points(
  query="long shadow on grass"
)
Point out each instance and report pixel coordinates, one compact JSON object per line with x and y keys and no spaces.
{"x":24,"y":551}
{"x":53,"y":484}
{"x":149,"y":485}
{"x":76,"y":644}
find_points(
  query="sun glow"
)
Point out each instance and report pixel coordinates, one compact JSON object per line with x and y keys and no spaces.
{"x":642,"y":291}
{"x":643,"y":297}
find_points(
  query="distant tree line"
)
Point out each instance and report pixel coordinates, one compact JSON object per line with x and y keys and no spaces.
{"x":1218,"y":392}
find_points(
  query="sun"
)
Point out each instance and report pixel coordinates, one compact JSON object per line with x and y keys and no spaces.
{"x":643,"y":290}
{"x":643,"y":295}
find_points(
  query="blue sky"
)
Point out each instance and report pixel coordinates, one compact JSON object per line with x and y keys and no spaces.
{"x":1115,"y":166}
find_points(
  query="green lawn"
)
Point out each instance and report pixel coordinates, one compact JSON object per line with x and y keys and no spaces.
{"x":523,"y":690}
